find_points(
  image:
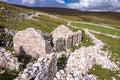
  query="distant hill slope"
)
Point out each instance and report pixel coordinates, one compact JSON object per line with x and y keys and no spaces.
{"x":107,"y":18}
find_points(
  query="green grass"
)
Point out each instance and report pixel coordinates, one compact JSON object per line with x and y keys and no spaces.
{"x":8,"y":75}
{"x":103,"y":73}
{"x":97,"y":28}
{"x":61,"y":62}
{"x":43,"y":23}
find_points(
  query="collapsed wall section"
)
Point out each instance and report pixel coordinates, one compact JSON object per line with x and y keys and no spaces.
{"x":8,"y":61}
{"x":44,"y":68}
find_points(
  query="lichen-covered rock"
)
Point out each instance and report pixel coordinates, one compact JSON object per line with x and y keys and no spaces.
{"x":30,"y":42}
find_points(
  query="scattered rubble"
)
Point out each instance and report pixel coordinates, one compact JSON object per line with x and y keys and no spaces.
{"x":10,"y":32}
{"x":83,"y":59}
{"x":29,"y":16}
{"x":43,"y":69}
{"x":8,"y":61}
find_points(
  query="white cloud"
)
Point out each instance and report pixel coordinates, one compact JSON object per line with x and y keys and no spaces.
{"x":86,"y":5}
{"x":28,"y":1}
{"x":95,"y":4}
{"x":61,"y":1}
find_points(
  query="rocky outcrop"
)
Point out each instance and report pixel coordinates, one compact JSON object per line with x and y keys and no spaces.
{"x":10,"y":32}
{"x":29,"y":15}
{"x":7,"y":61}
{"x":66,"y":37}
{"x":31,"y":42}
{"x":43,"y":69}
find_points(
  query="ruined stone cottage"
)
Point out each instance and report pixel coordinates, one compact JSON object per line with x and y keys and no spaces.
{"x":64,"y":38}
{"x":34,"y":43}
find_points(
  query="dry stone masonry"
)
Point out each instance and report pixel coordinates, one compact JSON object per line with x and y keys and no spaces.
{"x":44,"y":68}
{"x":64,"y":38}
{"x":31,"y":42}
{"x":34,"y":43}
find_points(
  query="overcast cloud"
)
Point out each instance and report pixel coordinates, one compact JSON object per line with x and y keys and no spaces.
{"x":85,"y":5}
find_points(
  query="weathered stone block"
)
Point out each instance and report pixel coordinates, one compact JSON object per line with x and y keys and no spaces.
{"x":59,"y":44}
{"x":69,"y":41}
{"x":79,"y":38}
{"x":75,"y":38}
{"x":30,"y":42}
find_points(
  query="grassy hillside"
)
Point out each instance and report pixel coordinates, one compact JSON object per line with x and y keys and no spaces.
{"x":108,"y":18}
{"x":8,"y":19}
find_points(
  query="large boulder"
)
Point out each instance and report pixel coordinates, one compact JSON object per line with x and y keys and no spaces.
{"x":31,"y":42}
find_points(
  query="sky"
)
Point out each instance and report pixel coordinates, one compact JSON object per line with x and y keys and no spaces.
{"x":84,"y":5}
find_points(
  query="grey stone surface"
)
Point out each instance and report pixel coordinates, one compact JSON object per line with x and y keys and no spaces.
{"x":69,"y":41}
{"x":59,"y":44}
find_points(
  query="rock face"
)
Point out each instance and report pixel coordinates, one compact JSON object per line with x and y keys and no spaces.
{"x":69,"y":38}
{"x":31,"y":42}
{"x":43,"y":69}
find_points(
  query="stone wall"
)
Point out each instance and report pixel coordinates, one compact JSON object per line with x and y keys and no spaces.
{"x":69,"y":38}
{"x":59,"y":44}
{"x":44,"y":68}
{"x":77,"y":37}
